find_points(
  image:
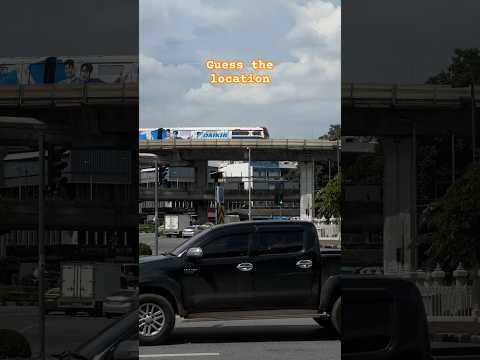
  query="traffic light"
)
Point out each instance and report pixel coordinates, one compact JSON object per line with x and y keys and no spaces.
{"x":279,"y":199}
{"x":162,"y":174}
{"x":216,"y":176}
{"x":58,"y":160}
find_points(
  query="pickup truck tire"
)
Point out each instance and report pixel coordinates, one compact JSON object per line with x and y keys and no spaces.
{"x":336,"y":315}
{"x":325,"y":323}
{"x":156,"y":319}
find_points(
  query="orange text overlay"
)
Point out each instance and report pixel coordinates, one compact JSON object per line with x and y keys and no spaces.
{"x":240,"y":78}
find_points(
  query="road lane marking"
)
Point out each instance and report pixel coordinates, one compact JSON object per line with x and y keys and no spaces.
{"x":178,"y":355}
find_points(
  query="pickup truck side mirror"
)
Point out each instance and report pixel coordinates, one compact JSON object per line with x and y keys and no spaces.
{"x":194,"y":253}
{"x":384,"y":319}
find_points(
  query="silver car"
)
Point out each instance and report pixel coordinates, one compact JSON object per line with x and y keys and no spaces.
{"x":190,"y":231}
{"x":121,"y":302}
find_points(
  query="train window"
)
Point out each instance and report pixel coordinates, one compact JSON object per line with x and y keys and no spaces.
{"x":257,"y":133}
{"x":240,"y":133}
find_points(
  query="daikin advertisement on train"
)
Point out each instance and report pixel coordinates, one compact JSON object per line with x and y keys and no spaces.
{"x":203,"y":133}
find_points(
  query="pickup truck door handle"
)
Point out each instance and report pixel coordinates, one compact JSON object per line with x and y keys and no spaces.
{"x":245,"y":267}
{"x":304,"y":264}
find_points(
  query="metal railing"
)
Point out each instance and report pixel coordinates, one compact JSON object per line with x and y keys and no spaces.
{"x":287,"y":144}
{"x":411,"y":95}
{"x":329,"y":232}
{"x":443,"y":301}
{"x":448,"y":303}
{"x":22,"y":95}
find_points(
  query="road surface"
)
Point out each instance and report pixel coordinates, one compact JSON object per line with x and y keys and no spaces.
{"x":247,"y":339}
{"x":61,"y":332}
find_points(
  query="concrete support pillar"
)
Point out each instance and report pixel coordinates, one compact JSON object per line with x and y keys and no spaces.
{"x":3,"y":244}
{"x":3,"y":153}
{"x":399,"y":201}
{"x":201,"y":185}
{"x":307,"y":179}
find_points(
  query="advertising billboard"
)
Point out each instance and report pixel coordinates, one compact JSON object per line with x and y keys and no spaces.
{"x":203,"y":133}
{"x":68,"y":70}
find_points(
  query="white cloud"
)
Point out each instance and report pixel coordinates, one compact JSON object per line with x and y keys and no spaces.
{"x":159,"y":19}
{"x":303,"y":98}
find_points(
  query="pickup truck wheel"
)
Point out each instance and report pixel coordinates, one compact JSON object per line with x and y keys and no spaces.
{"x":336,"y":315}
{"x":325,"y":323}
{"x":156,"y":319}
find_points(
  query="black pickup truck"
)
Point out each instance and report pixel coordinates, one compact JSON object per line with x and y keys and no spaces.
{"x":245,"y":270}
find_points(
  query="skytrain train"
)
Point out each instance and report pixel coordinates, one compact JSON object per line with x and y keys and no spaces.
{"x":203,"y":133}
{"x":75,"y":70}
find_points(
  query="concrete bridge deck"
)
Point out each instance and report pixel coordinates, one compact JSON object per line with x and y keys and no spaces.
{"x":261,"y":149}
{"x":406,"y":96}
{"x":184,"y":195}
{"x":66,"y":215}
{"x":67,"y":95}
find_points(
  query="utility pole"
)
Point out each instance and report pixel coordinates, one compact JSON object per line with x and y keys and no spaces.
{"x":155,"y":163}
{"x":91,"y":187}
{"x":452,"y":139}
{"x":314,"y":183}
{"x":339,"y":142}
{"x":156,"y":206}
{"x":219,"y":197}
{"x":41,"y":245}
{"x":474,"y":134}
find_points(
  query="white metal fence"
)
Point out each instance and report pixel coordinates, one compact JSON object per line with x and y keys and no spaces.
{"x":454,"y":301}
{"x":329,"y":232}
{"x":448,"y":303}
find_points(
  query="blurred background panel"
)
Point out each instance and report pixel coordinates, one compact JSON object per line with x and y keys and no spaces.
{"x":410,"y":89}
{"x":68,"y":165}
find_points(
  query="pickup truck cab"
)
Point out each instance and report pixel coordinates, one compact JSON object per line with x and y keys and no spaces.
{"x":244,"y":270}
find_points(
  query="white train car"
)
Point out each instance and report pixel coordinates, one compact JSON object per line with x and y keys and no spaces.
{"x":203,"y":133}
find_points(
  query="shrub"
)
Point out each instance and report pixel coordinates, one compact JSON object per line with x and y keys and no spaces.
{"x":144,"y":250}
{"x":13,"y":345}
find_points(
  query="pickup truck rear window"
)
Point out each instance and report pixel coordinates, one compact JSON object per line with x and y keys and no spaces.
{"x":279,"y":242}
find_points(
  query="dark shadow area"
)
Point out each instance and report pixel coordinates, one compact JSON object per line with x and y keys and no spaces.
{"x":68,"y":170}
{"x":235,"y":334}
{"x":410,"y":101}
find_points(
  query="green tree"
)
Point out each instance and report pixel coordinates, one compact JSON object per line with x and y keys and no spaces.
{"x":145,"y":250}
{"x":332,"y":134}
{"x":465,"y":66}
{"x":328,"y":199}
{"x":451,"y":226}
{"x":366,"y":169}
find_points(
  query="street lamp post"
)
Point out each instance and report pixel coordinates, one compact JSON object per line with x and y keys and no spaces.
{"x":474,"y":127}
{"x":249,"y":185}
{"x":41,"y":245}
{"x":20,"y":130}
{"x":156,"y":206}
{"x":156,"y":161}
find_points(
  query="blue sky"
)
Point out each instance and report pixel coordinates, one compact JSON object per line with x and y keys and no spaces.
{"x":302,"y":38}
